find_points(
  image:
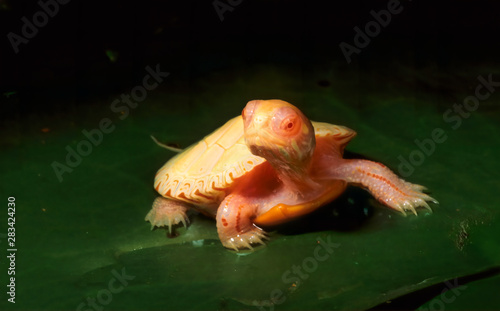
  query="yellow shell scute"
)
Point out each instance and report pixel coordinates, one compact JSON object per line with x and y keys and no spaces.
{"x":227,"y":129}
{"x":206,"y":162}
{"x":186,"y":159}
{"x":202,"y":172}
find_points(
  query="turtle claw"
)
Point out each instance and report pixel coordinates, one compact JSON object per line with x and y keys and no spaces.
{"x":404,"y":207}
{"x":245,"y":240}
{"x":433,"y":200}
{"x":415,"y":187}
{"x":410,"y":202}
{"x":185,"y":221}
{"x":175,"y":219}
{"x":261,"y":236}
{"x":407,"y":199}
{"x":412,"y":209}
{"x":167,"y":213}
{"x":426,"y":206}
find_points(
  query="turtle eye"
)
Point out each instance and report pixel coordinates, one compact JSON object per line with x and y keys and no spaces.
{"x":287,"y":122}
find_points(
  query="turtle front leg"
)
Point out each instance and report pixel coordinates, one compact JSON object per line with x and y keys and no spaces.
{"x":384,"y":185}
{"x":167,"y":212}
{"x":235,"y":224}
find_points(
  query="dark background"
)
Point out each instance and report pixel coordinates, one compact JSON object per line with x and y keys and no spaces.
{"x":64,"y":71}
{"x":65,"y":64}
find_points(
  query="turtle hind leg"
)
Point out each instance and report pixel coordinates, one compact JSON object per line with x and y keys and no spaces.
{"x":235,"y":224}
{"x":167,"y":212}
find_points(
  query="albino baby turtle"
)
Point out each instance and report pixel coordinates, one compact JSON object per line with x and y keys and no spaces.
{"x":268,"y":166}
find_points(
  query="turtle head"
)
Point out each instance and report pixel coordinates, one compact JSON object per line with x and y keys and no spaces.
{"x":280,"y":133}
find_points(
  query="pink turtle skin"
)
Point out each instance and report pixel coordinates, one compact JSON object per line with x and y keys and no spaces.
{"x":301,"y":171}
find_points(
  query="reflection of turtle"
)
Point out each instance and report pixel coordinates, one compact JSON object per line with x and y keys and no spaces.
{"x":266,"y":167}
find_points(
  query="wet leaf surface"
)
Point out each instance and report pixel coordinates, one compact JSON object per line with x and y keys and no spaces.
{"x":78,"y":234}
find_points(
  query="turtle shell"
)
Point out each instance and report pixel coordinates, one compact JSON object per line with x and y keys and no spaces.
{"x":203,"y":172}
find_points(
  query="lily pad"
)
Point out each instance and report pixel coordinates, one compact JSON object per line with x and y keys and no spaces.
{"x":82,"y":239}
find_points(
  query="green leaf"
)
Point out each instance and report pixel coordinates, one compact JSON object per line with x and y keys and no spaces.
{"x":74,"y":236}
